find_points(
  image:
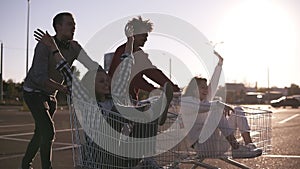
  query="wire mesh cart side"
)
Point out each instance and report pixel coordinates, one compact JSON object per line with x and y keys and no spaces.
{"x":217,"y":147}
{"x":96,"y":146}
{"x":110,"y":146}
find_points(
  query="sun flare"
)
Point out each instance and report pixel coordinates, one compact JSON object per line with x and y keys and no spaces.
{"x":258,"y":35}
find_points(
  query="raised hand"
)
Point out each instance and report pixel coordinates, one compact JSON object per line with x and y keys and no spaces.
{"x":129,"y":30}
{"x":45,"y":38}
{"x":130,"y":39}
{"x":220,"y":57}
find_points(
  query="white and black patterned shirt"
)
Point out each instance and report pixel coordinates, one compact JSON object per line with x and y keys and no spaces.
{"x":119,"y":86}
{"x":73,"y":83}
{"x":121,"y":80}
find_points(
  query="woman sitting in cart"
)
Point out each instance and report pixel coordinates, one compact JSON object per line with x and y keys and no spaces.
{"x":197,"y":108}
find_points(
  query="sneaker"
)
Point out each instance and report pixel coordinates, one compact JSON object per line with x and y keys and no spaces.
{"x":168,"y":91}
{"x":246,"y":151}
{"x":150,"y":163}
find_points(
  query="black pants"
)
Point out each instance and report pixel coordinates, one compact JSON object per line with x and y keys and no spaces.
{"x":42,"y":108}
{"x":139,"y":130}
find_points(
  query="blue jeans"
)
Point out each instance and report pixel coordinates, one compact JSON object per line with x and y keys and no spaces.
{"x":42,"y":107}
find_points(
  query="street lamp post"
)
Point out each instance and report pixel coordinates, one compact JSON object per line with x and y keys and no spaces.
{"x":268,"y":92}
{"x":170,"y":68}
{"x":27,"y":44}
{"x":1,"y":75}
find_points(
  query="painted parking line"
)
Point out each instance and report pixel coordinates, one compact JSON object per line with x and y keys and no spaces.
{"x":17,"y":125}
{"x":281,"y":156}
{"x":26,"y":140}
{"x":21,"y":155}
{"x":12,"y":137}
{"x":288,"y":119}
{"x":30,"y":133}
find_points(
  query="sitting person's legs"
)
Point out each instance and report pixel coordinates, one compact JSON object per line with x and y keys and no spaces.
{"x":239,"y":121}
{"x":228,"y":131}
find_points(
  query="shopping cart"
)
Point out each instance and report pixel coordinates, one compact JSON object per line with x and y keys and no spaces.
{"x":97,"y":146}
{"x":104,"y":139}
{"x":218,"y":147}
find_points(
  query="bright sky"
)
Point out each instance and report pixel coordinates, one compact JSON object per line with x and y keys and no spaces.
{"x":257,"y":35}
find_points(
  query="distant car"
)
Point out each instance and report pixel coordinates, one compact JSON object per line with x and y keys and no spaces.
{"x":286,"y":101}
{"x":296,"y":97}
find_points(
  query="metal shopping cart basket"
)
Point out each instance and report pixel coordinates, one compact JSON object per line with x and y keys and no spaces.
{"x":100,"y":136}
{"x":217,"y":147}
{"x":96,"y":146}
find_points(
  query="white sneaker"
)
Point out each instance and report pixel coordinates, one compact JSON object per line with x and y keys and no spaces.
{"x":246,"y":151}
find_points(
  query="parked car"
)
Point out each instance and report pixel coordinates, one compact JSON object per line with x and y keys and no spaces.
{"x":296,"y":97}
{"x":285,"y":101}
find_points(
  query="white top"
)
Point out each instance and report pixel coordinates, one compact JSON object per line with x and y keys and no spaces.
{"x":196,"y":113}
